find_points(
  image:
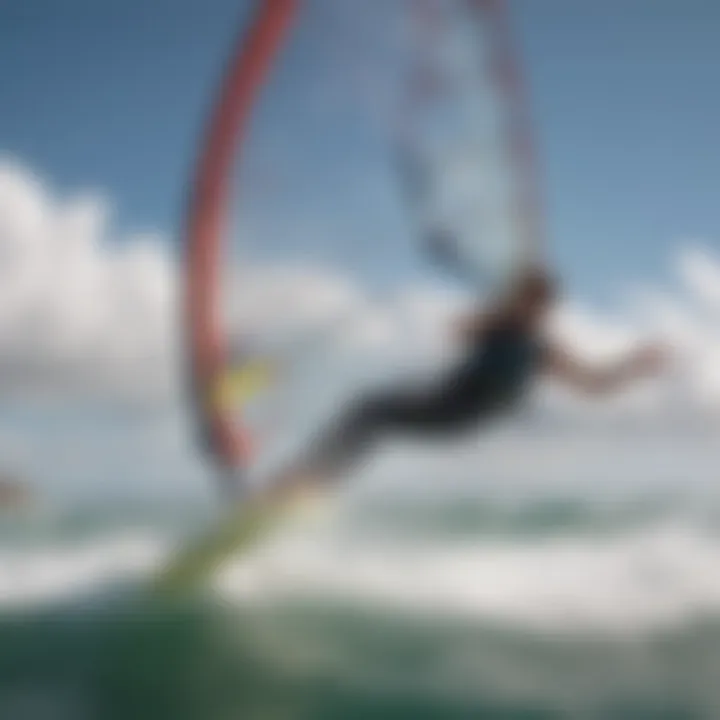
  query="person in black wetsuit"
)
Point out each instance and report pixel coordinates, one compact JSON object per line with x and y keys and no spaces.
{"x":506,"y":350}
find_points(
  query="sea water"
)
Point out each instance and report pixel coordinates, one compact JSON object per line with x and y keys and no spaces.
{"x":464,"y":585}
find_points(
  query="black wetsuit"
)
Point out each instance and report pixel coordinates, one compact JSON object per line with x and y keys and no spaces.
{"x":491,"y":379}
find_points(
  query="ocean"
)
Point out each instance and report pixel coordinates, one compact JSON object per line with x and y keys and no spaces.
{"x":441,"y":598}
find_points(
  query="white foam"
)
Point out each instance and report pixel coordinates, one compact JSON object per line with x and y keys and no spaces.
{"x":639,"y":582}
{"x":636,"y":582}
{"x":46,"y":575}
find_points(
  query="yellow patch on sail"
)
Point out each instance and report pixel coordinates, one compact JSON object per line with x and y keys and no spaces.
{"x":239,"y":385}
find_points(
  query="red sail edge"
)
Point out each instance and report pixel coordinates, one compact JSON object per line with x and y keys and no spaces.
{"x":255,"y":51}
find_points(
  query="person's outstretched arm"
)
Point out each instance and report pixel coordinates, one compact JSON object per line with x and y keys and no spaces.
{"x":646,"y":362}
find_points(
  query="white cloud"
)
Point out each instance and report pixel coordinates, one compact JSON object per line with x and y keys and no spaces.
{"x":87,"y":314}
{"x":84,"y":309}
{"x":701,"y":274}
{"x":79,"y":308}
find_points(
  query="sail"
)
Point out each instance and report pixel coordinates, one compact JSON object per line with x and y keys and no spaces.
{"x":352,"y":146}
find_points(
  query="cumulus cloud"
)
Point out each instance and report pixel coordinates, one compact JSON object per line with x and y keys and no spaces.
{"x":81,"y":308}
{"x":84,"y":309}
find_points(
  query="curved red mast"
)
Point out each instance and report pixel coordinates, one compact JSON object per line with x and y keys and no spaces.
{"x":250,"y":65}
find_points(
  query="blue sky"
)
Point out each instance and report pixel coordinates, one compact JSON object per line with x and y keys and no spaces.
{"x":627,"y":108}
{"x":625,"y":101}
{"x":112,"y":97}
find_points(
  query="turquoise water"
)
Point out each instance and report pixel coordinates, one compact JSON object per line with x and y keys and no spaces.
{"x":458,"y":608}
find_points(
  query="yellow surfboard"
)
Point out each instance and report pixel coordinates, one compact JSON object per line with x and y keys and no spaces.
{"x":244,"y":526}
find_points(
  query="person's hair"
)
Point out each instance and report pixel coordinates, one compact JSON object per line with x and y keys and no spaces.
{"x":538,"y":285}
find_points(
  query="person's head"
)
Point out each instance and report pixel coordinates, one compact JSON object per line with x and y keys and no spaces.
{"x":534,"y":293}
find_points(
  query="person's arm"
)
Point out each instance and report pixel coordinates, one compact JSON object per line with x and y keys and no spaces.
{"x":601,"y":380}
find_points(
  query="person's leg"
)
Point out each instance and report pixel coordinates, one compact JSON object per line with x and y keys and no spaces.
{"x":352,"y":435}
{"x":446,"y":409}
{"x":348,"y":438}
